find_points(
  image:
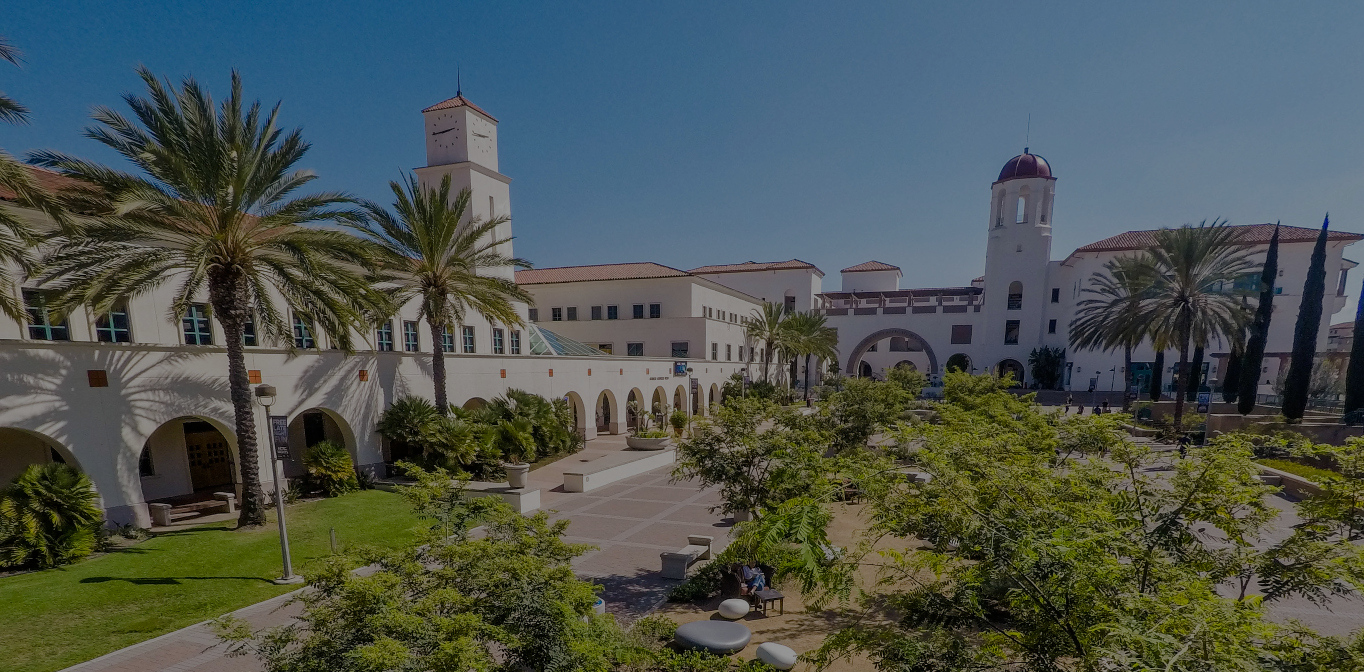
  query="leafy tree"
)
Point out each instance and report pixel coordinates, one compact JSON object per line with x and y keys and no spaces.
{"x":331,"y":468}
{"x":49,"y":516}
{"x":862,"y":408}
{"x":1305,"y":332}
{"x":432,"y":252}
{"x":810,"y":336}
{"x":1354,"y":374}
{"x":1047,"y":365}
{"x":214,"y":209}
{"x":1231,"y":375}
{"x":767,"y":325}
{"x":909,"y":379}
{"x":1259,"y":330}
{"x":551,"y":421}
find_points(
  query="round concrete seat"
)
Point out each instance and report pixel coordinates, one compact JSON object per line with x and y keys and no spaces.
{"x":719,"y":637}
{"x":777,"y":655}
{"x":734,"y":608}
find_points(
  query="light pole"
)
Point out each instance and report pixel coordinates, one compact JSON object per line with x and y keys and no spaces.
{"x":265,"y":396}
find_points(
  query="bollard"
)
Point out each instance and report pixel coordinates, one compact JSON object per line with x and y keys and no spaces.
{"x":333,"y":541}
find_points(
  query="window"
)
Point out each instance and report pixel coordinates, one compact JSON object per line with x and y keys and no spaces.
{"x":1055,"y":294}
{"x":384,"y":336}
{"x":655,"y":310}
{"x":447,"y":339}
{"x":612,"y":312}
{"x":1051,"y":326}
{"x":596,"y":312}
{"x":468,"y":333}
{"x":198,"y":330}
{"x":961,"y":334}
{"x":556,"y":314}
{"x":728,"y":349}
{"x":40,"y":324}
{"x":249,"y":332}
{"x":1022,"y":215}
{"x":572,"y":313}
{"x":1011,"y":332}
{"x":1015,"y":295}
{"x":714,"y":351}
{"x":303,"y":336}
{"x":499,"y":347}
{"x":681,"y":349}
{"x":145,"y":467}
{"x":112,"y":327}
{"x":790,"y":304}
{"x":534,"y":314}
{"x":604,"y":347}
{"x":634,"y":349}
{"x":410,"y":341}
{"x":741,"y":353}
{"x":637,"y":311}
{"x":873,"y":347}
{"x":515,"y":342}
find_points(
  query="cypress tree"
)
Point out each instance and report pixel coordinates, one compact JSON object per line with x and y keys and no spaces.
{"x":1354,"y":373}
{"x":1194,"y":380}
{"x":1259,"y":330}
{"x":1299,"y":376}
{"x":1231,"y":376}
{"x":1157,"y":370}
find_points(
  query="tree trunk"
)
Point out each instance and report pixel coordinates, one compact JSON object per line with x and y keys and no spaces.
{"x":807,"y":376}
{"x":1194,"y":375}
{"x":1179,"y":397}
{"x":1131,"y":377}
{"x":227,"y":290}
{"x":1157,"y":375}
{"x":438,"y":366}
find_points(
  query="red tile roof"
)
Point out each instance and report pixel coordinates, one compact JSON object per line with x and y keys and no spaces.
{"x":45,"y":178}
{"x":1251,"y":234}
{"x":870,"y":266}
{"x":633,"y":271}
{"x":793,"y":264}
{"x":1342,"y":325}
{"x":458,"y":101}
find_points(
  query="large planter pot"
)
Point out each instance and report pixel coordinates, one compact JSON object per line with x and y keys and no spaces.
{"x":742,"y":515}
{"x":636,"y":443}
{"x":516,"y":474}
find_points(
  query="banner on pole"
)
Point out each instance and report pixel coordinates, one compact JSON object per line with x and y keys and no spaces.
{"x":279,"y":436}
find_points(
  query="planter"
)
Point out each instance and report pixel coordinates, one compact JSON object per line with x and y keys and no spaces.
{"x":636,"y":443}
{"x":742,"y":516}
{"x":516,"y":474}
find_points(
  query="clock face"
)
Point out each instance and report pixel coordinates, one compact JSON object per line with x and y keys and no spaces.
{"x":445,"y":128}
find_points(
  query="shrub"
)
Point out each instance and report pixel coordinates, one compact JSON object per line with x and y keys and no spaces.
{"x":1310,"y":473}
{"x":403,"y":424}
{"x":678,"y":420}
{"x":49,"y":516}
{"x":330,"y":468}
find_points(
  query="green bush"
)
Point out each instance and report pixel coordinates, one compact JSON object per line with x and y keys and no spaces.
{"x":678,"y":420}
{"x":1310,"y":473}
{"x":49,"y":516}
{"x":330,"y":468}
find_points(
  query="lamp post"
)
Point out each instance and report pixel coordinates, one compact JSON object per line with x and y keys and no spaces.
{"x":265,"y":396}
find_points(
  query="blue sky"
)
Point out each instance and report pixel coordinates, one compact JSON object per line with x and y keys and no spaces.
{"x":699,"y":133}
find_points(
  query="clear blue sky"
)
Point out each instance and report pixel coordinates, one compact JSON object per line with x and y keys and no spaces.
{"x":691,"y":133}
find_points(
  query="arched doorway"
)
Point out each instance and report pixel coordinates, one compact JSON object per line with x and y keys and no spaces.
{"x":680,"y":399}
{"x":20,"y":448}
{"x":312,"y":427}
{"x":189,"y":458}
{"x":959,"y":362}
{"x":474,"y":403}
{"x":608,"y":417}
{"x":863,"y":370}
{"x":906,"y":364}
{"x":575,"y":403}
{"x":901,"y":340}
{"x":1009,"y":367}
{"x":659,"y":406}
{"x":634,"y":405}
{"x":714,"y":399}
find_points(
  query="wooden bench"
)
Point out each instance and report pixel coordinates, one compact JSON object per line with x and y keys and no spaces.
{"x":675,"y":565}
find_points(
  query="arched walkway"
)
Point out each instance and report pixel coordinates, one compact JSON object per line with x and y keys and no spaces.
{"x":912,"y":341}
{"x":906,"y":364}
{"x":959,"y":362}
{"x":310,"y":428}
{"x":20,"y":448}
{"x":1010,"y":367}
{"x":658,"y":406}
{"x":680,"y":399}
{"x":575,"y":402}
{"x":192,"y":456}
{"x":634,"y":405}
{"x":608,"y":413}
{"x":714,"y":399}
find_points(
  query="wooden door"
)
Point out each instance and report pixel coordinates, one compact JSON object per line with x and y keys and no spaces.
{"x":210,"y":460}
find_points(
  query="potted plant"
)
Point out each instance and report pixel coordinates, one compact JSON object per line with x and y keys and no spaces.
{"x":514,"y":439}
{"x":679,"y":422}
{"x":642,"y":437}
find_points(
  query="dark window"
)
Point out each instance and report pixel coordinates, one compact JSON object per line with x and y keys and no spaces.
{"x":534,"y":314}
{"x":41,"y":326}
{"x":198,"y":330}
{"x":556,"y":314}
{"x":1055,"y":294}
{"x":1015,"y":295}
{"x":249,"y":332}
{"x":790,"y":304}
{"x":634,"y":349}
{"x":715,"y":351}
{"x":468,"y":339}
{"x":572,"y":313}
{"x":637,"y":311}
{"x":385,"y":336}
{"x":655,"y":310}
{"x":728,"y":350}
{"x":303,"y":336}
{"x":515,"y":342}
{"x":410,"y":341}
{"x":314,"y":429}
{"x":681,"y":349}
{"x":447,"y":339}
{"x":1051,"y":326}
{"x":499,"y":348}
{"x":145,"y":467}
{"x":1011,"y":332}
{"x":596,"y":312}
{"x":612,"y":312}
{"x":112,"y":327}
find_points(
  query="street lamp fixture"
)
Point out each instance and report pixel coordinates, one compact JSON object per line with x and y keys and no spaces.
{"x":265,"y":396}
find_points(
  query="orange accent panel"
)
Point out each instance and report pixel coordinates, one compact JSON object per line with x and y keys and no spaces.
{"x":504,"y":373}
{"x":253,"y":376}
{"x":98,"y":377}
{"x":364,"y":375}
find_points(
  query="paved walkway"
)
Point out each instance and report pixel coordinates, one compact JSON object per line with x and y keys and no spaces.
{"x":631,"y":522}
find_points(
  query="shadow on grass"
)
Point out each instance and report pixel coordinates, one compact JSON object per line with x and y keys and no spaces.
{"x":168,"y":580}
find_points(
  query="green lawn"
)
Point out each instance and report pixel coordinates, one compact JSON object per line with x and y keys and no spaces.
{"x":56,"y":618}
{"x":1308,"y":472}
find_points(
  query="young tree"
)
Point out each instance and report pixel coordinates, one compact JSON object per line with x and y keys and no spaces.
{"x":1354,"y":373}
{"x":1299,"y":378}
{"x":213,"y":209}
{"x":1259,"y":330}
{"x":1047,"y":364}
{"x":432,"y":252}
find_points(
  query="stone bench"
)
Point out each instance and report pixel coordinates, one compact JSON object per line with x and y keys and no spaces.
{"x":163,"y":515}
{"x":615,"y":467}
{"x":675,"y":565}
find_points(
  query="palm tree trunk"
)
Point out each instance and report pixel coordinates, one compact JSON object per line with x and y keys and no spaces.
{"x":1130,"y":378}
{"x":438,"y":366}
{"x":767,"y":360}
{"x":1179,"y":393}
{"x":230,"y":300}
{"x":807,"y":377}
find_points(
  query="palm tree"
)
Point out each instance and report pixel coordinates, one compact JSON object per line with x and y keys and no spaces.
{"x":1110,"y":316}
{"x":213,"y":208}
{"x":810,"y":336}
{"x":1187,"y":305}
{"x":766,"y":325}
{"x":433,"y":253}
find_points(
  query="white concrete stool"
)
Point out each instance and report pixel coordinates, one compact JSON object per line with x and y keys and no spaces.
{"x":777,"y":655}
{"x":734,"y":608}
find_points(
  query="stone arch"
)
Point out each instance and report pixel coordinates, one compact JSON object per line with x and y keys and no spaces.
{"x":607,"y":412}
{"x":1007,"y":366}
{"x":634,"y":399}
{"x":680,"y":398}
{"x":714,"y":398}
{"x":20,"y":448}
{"x":575,"y":403}
{"x":308,"y":428}
{"x":474,"y":403}
{"x":658,"y":405}
{"x":190,"y":457}
{"x":913,"y":339}
{"x":959,"y":362}
{"x":906,"y":364}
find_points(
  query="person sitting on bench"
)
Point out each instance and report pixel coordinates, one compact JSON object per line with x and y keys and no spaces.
{"x":754,"y":580}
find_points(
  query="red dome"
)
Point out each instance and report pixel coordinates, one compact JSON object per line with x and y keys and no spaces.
{"x":1025,"y":165}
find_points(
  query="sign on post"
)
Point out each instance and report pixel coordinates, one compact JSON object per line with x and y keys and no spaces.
{"x":695,"y":385}
{"x":679,"y":368}
{"x":1204,"y":401}
{"x":279,"y":436}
